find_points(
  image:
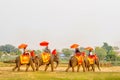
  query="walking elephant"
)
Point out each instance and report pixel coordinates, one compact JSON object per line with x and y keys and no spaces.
{"x":46,"y":59}
{"x":76,"y":61}
{"x":18,"y":64}
{"x":91,"y":61}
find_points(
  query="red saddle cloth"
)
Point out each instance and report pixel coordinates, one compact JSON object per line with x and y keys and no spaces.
{"x":79,"y":58}
{"x":91,"y":58}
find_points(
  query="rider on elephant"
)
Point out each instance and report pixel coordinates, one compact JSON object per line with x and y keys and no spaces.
{"x":90,"y":53}
{"x":26,"y":52}
{"x":47,"y":50}
{"x":77,"y":52}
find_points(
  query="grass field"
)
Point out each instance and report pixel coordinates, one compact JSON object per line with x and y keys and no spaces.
{"x":107,"y":73}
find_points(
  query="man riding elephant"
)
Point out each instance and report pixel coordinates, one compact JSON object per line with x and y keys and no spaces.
{"x":46,"y":58}
{"x":76,"y":60}
{"x":91,"y":60}
{"x":24,"y":59}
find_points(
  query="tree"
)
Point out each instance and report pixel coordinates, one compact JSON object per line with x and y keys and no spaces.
{"x":1,"y":53}
{"x":9,"y":49}
{"x":107,"y":47}
{"x":67,"y":52}
{"x":101,"y":53}
{"x":116,"y":48}
{"x":112,"y":56}
{"x":37,"y":51}
{"x":82,"y":49}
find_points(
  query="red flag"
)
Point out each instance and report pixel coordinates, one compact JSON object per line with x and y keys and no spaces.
{"x":54,"y":52}
{"x":32,"y":53}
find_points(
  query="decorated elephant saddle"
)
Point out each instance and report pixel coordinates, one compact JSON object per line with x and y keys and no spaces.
{"x":92,"y":58}
{"x":24,"y":59}
{"x":45,"y":56}
{"x":79,"y":58}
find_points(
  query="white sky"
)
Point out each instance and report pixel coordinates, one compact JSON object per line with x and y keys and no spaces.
{"x":61,"y":22}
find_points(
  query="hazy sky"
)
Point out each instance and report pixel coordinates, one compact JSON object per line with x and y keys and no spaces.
{"x":61,"y":22}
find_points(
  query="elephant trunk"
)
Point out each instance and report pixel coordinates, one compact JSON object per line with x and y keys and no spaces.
{"x":57,"y":63}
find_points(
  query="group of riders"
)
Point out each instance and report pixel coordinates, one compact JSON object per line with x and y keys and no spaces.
{"x":47,"y":50}
{"x":77,"y":52}
{"x":32,"y":53}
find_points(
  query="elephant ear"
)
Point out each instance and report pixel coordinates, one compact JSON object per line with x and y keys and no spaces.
{"x":54,"y":52}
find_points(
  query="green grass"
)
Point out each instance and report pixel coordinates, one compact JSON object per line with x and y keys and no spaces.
{"x":6,"y":73}
{"x":59,"y":76}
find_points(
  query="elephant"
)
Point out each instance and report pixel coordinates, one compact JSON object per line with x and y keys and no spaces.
{"x":53,"y":58}
{"x":88,"y":64}
{"x":74,"y":62}
{"x":30,"y":63}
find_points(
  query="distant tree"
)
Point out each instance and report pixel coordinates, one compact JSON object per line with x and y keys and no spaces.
{"x":107,"y":47}
{"x":112,"y":56}
{"x":67,"y":52}
{"x":37,"y":51}
{"x":9,"y":49}
{"x":101,"y":53}
{"x":118,"y":58}
{"x":82,"y":49}
{"x":116,"y":48}
{"x":1,"y":53}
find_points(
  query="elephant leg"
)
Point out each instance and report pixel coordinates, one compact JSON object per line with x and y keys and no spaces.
{"x":37,"y":67}
{"x":52,"y":67}
{"x":67,"y":68}
{"x":32,"y":65}
{"x":73,"y":69}
{"x":46,"y":67}
{"x":18,"y":65}
{"x":27,"y":66}
{"x":93,"y":67}
{"x":14,"y":68}
{"x":98,"y":66}
{"x":78,"y":67}
{"x":88,"y":67}
{"x":83,"y":66}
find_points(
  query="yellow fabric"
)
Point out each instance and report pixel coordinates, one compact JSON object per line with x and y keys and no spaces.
{"x":24,"y":59}
{"x":91,"y":60}
{"x":45,"y":57}
{"x":80,"y":59}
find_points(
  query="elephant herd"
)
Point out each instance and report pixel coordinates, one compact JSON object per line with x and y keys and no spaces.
{"x":37,"y":61}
